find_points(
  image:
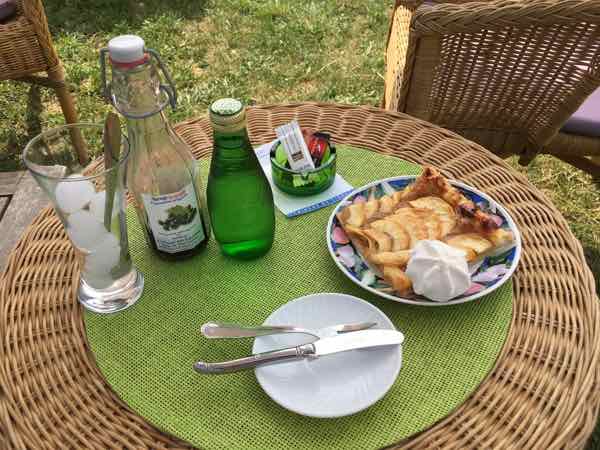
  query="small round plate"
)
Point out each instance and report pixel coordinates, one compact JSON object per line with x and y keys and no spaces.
{"x":486,"y":275}
{"x":334,"y":385}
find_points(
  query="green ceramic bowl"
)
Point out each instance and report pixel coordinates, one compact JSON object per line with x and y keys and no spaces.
{"x":302,"y":183}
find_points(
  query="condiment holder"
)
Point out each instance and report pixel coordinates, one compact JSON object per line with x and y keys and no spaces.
{"x":302,"y":183}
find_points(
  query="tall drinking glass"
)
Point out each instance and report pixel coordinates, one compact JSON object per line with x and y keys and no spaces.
{"x":90,"y":201}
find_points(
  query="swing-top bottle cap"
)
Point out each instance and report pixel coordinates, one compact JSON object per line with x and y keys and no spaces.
{"x":126,"y":49}
{"x":227,"y":114}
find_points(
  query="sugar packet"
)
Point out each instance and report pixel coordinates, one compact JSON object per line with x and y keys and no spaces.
{"x":293,"y":143}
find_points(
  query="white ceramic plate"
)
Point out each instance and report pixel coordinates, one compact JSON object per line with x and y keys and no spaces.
{"x":334,"y":385}
{"x":486,"y":276}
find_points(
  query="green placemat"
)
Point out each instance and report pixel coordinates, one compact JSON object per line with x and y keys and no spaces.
{"x":146,"y":352}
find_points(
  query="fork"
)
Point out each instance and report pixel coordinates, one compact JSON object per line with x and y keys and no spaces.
{"x":215,"y":330}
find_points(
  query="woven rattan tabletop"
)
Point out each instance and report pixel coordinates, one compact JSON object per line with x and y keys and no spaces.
{"x":543,"y":392}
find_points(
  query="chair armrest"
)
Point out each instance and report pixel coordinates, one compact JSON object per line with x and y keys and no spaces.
{"x":451,"y":17}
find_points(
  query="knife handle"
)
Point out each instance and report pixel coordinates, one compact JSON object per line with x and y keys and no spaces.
{"x":286,"y":354}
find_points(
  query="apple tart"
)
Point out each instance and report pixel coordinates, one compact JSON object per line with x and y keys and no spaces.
{"x":385,"y":229}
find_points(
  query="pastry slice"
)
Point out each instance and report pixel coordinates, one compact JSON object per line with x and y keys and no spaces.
{"x":400,"y":238}
{"x":399,"y":258}
{"x":500,"y":237}
{"x":472,"y":243}
{"x":371,"y":208}
{"x":444,"y":211}
{"x":432,"y":222}
{"x":412,"y":223}
{"x":381,"y":242}
{"x":386,"y":205}
{"x":398,"y":279}
{"x":363,"y":243}
{"x":353,"y":215}
{"x":432,"y":183}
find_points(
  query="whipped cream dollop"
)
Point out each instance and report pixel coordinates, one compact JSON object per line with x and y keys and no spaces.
{"x":438,"y":271}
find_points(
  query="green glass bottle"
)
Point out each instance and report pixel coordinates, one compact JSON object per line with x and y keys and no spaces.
{"x":240,"y":201}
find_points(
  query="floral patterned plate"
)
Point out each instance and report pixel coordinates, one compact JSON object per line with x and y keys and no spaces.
{"x":487,"y":275}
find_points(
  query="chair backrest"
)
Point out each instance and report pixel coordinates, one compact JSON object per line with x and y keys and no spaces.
{"x":505,"y":73}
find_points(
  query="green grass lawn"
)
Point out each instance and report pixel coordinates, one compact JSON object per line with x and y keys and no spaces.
{"x":262,"y":51}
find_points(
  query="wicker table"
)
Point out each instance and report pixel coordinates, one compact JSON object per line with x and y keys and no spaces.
{"x":543,"y":391}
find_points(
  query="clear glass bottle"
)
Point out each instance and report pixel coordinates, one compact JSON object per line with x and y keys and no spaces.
{"x":240,"y":201}
{"x":162,"y":174}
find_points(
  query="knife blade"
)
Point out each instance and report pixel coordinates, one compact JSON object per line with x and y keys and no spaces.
{"x":326,"y":346}
{"x":357,"y":340}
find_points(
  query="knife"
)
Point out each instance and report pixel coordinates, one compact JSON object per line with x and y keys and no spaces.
{"x":326,"y":346}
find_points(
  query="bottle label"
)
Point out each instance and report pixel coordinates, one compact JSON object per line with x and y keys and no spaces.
{"x":175,"y":220}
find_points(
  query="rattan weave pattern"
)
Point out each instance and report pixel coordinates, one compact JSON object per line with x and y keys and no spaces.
{"x":504,"y":73}
{"x":543,"y":392}
{"x":26,"y":45}
{"x":20,"y":53}
{"x":26,"y":49}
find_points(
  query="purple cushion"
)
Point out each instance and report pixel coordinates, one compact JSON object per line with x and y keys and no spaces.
{"x":586,"y":120}
{"x":7,"y":9}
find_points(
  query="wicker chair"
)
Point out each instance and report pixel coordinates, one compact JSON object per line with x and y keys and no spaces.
{"x":26,"y":49}
{"x":507,"y":74}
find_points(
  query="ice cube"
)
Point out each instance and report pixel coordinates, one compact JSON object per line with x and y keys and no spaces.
{"x":73,"y":195}
{"x":85,"y":230}
{"x":98,"y":265}
{"x":97,"y":205}
{"x":105,"y":241}
{"x":102,"y":259}
{"x":97,"y":280}
{"x":99,"y":201}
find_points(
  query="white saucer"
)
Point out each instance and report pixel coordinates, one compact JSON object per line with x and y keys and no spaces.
{"x":335,"y":385}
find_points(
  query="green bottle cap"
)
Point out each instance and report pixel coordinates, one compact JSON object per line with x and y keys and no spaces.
{"x":227,"y":114}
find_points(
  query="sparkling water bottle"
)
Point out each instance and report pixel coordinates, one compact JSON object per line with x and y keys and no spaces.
{"x":162,"y":174}
{"x":240,"y":201}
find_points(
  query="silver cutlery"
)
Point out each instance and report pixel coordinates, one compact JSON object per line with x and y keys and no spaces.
{"x":326,"y":346}
{"x":214,"y":330}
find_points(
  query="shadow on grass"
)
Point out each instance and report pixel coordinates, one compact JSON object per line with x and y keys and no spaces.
{"x":106,"y":16}
{"x":10,"y":156}
{"x":592,"y":256}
